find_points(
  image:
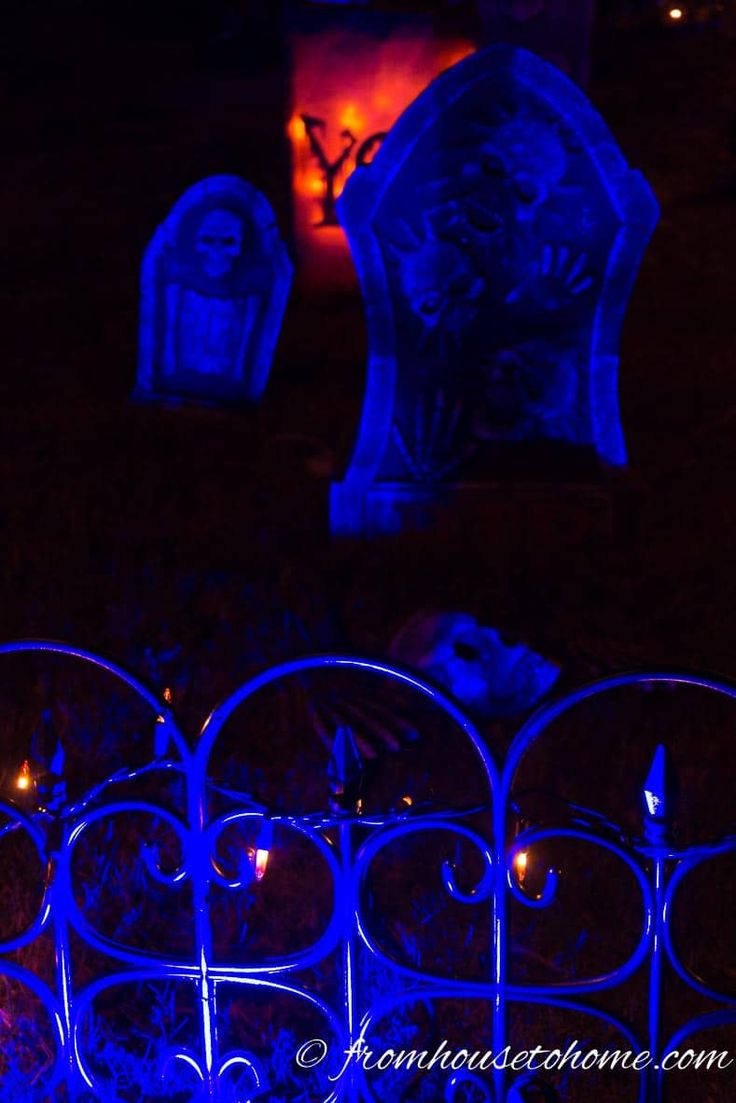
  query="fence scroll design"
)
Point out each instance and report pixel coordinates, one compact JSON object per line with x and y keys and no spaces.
{"x":349,"y":842}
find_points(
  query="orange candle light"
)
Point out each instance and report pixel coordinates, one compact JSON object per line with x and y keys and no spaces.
{"x":24,"y":780}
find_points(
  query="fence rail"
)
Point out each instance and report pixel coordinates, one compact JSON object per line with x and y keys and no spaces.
{"x":347,"y":841}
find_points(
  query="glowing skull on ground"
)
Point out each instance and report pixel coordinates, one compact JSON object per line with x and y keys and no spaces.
{"x":490,"y":676}
{"x":219,"y":242}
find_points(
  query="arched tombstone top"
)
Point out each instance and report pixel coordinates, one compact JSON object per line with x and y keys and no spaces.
{"x":496,"y":234}
{"x":215,"y":281}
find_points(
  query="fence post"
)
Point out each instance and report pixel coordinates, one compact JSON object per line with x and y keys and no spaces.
{"x":657,"y":821}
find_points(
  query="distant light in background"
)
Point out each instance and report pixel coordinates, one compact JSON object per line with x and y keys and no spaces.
{"x":675,"y":14}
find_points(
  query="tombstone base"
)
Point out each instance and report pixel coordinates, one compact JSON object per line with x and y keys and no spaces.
{"x":518,"y":518}
{"x":208,"y":397}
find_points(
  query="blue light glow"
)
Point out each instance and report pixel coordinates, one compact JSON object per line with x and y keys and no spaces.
{"x":349,"y":845}
{"x":496,"y":234}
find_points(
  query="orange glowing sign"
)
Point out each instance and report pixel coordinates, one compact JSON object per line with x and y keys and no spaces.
{"x":348,"y":89}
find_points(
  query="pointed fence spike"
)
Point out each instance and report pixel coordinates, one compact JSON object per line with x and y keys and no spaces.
{"x":56,"y":766}
{"x":657,"y":796}
{"x":161,"y":736}
{"x":655,"y":787}
{"x":345,"y":770}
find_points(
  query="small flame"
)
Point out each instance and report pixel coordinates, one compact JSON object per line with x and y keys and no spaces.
{"x":262,"y":857}
{"x":521,"y":865}
{"x":167,"y":696}
{"x":25,"y":777}
{"x":263,"y":848}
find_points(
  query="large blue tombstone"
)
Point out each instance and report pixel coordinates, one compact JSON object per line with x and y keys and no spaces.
{"x":497,"y":234}
{"x":214,"y":285}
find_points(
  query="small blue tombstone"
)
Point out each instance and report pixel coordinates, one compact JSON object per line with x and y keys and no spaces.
{"x":215,"y":281}
{"x":496,"y":234}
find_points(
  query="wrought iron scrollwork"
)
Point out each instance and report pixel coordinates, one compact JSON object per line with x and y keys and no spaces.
{"x":346,"y":843}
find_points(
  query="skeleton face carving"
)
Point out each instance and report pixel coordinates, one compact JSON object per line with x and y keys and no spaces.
{"x":528,"y":159}
{"x":219,"y":242}
{"x":439,"y":282}
{"x":528,"y":391}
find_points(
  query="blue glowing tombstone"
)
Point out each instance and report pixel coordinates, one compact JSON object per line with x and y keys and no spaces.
{"x":497,"y":234}
{"x":215,"y":281}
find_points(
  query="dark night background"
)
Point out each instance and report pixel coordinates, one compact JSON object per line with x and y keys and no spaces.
{"x":129,"y":528}
{"x":194,"y":545}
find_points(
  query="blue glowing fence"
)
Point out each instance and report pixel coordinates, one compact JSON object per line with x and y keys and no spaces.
{"x":347,"y":977}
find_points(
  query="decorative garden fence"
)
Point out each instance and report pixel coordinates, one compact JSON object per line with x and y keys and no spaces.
{"x":347,"y":838}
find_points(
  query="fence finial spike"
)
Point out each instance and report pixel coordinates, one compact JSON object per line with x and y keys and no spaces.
{"x":656,"y":796}
{"x":345,"y":771}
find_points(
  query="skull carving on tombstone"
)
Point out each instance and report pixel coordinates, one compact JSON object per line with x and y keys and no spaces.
{"x":214,"y":285}
{"x":219,"y":242}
